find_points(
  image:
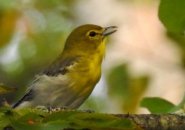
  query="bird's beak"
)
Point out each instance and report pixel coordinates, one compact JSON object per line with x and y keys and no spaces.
{"x":109,"y":30}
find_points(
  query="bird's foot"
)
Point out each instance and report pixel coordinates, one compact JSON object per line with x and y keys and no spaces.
{"x":56,"y":109}
{"x":51,"y":109}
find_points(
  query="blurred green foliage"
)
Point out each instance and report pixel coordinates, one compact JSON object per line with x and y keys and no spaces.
{"x":7,"y":25}
{"x":6,"y":89}
{"x":171,"y":13}
{"x":125,"y":89}
{"x":38,"y":30}
{"x":172,"y":16}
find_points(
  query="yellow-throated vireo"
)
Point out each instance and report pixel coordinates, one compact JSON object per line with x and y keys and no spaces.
{"x":71,"y":78}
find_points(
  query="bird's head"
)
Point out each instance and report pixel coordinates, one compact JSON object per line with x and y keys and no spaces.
{"x":88,"y":38}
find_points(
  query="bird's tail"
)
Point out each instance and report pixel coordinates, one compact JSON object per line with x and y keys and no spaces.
{"x":27,"y":97}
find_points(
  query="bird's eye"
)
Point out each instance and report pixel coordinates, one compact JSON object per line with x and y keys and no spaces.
{"x":92,"y":34}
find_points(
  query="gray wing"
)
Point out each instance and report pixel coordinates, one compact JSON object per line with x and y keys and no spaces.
{"x":58,"y":67}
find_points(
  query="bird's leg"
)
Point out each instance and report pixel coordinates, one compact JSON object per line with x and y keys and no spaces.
{"x":63,"y":108}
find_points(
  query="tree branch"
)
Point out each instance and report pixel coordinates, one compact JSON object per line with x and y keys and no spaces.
{"x":84,"y":120}
{"x":157,"y":121}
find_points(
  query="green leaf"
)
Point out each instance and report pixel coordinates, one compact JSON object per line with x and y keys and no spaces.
{"x":157,"y":105}
{"x":29,"y":119}
{"x":171,"y":13}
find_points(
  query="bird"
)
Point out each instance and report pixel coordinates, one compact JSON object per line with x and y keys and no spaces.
{"x":71,"y":78}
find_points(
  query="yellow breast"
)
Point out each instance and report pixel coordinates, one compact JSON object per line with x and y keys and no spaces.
{"x":87,"y":72}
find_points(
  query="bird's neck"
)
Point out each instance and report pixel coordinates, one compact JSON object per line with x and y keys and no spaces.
{"x":88,"y":57}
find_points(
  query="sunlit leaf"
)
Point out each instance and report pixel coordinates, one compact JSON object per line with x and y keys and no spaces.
{"x":157,"y":105}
